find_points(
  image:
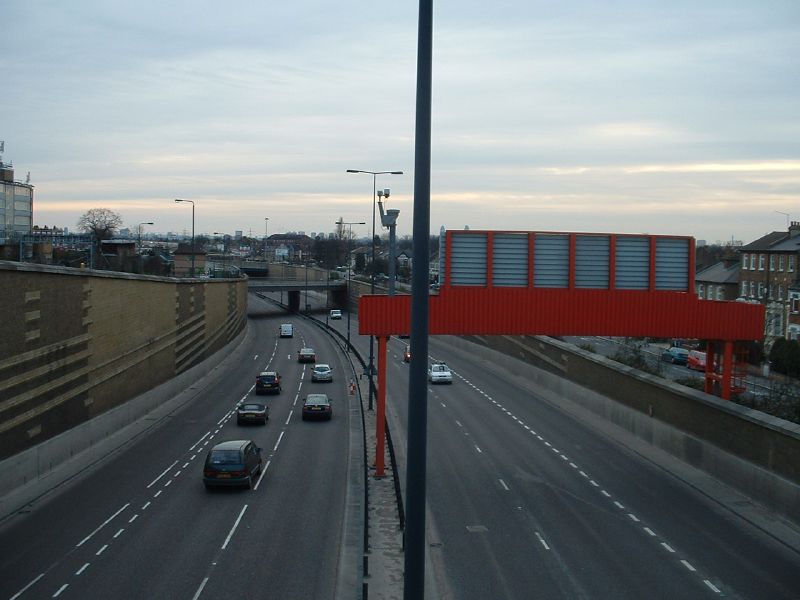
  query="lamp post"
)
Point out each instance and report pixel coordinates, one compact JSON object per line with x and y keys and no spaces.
{"x":192,"y":202}
{"x":266,"y":237}
{"x":140,"y":243}
{"x":372,"y":279}
{"x":349,"y":239}
{"x":306,"y":307}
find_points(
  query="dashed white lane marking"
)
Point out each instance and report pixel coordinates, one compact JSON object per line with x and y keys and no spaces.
{"x":133,"y":518}
{"x":61,"y":589}
{"x":200,"y":589}
{"x":102,"y":549}
{"x":82,"y":569}
{"x":548,"y":444}
{"x":186,"y":464}
{"x":106,"y":522}
{"x":255,"y":357}
{"x":583,"y":474}
{"x":458,"y":423}
{"x":164,"y":472}
{"x":633,"y":517}
{"x":146,"y":504}
{"x":207,"y":433}
{"x":541,"y":539}
{"x":260,"y":477}
{"x":618,"y":505}
{"x":649,"y":531}
{"x":233,"y":529}
{"x":168,"y":482}
{"x":668,"y":548}
{"x":116,"y":535}
{"x":594,"y":483}
{"x":157,"y":494}
{"x":605,"y":493}
{"x":688,"y":566}
{"x":714,"y":588}
{"x":443,"y":404}
{"x":289,"y":417}
{"x":192,"y":457}
{"x":478,"y":449}
{"x":503,"y":483}
{"x":278,"y":443}
{"x":27,"y":587}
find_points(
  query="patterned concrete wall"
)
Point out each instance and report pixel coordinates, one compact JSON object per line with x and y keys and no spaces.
{"x":75,"y":343}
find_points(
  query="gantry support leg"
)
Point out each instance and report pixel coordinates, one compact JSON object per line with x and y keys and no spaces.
{"x":380,"y":426}
{"x":708,"y":386}
{"x":727,"y":370}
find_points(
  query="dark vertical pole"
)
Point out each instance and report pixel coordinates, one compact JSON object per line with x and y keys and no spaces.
{"x":414,"y":576}
{"x":372,"y":291}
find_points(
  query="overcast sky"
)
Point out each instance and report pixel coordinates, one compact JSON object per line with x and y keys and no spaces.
{"x":678,"y":117}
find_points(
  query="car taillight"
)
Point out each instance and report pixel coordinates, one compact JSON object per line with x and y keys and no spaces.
{"x":238,"y":473}
{"x":208,"y":473}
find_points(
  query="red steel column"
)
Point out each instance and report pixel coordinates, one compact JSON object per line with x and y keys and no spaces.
{"x":727,"y":369}
{"x":381,"y":415}
{"x":710,"y":359}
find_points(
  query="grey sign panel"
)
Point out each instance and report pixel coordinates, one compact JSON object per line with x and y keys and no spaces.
{"x":510,"y":260}
{"x":632,"y":263}
{"x":551,"y":261}
{"x":468,"y":261}
{"x":592,"y":261}
{"x":672,"y":264}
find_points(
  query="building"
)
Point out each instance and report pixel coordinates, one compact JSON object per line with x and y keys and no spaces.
{"x":183,"y":261}
{"x":768,"y":274}
{"x":16,"y":206}
{"x":719,"y":281}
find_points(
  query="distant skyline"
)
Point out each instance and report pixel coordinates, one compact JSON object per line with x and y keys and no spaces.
{"x":663,"y":118}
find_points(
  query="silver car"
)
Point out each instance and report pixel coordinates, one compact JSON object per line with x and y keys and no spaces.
{"x":440,"y":373}
{"x":322,"y":372}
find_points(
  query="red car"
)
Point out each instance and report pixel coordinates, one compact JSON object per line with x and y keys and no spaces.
{"x":696,"y":360}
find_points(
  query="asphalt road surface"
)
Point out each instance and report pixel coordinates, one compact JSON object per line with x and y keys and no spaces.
{"x":141,"y":525}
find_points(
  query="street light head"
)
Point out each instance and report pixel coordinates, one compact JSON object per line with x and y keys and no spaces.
{"x":396,"y":173}
{"x":353,"y":171}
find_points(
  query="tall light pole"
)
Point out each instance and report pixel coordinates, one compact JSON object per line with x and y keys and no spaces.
{"x":266,"y":237}
{"x":140,"y":242}
{"x":349,"y":239}
{"x":372,"y":279}
{"x":192,"y":202}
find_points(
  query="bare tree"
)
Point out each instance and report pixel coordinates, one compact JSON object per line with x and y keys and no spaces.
{"x":102,"y":223}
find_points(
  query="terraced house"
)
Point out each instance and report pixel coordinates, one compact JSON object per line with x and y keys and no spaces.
{"x":769,"y":275}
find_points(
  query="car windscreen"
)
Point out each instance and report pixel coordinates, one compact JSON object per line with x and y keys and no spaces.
{"x":317,"y":400}
{"x":225,"y":457}
{"x":266,"y":378}
{"x":252,"y":407}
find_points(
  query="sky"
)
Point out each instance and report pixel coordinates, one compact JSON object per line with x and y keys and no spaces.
{"x":637,"y":116}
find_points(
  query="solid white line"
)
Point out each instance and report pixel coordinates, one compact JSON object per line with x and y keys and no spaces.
{"x":649,"y":531}
{"x":152,"y":483}
{"x":667,"y":547}
{"x":106,"y":522}
{"x":503,"y":483}
{"x":116,"y":535}
{"x":235,"y":525}
{"x":103,"y":549}
{"x":633,"y":517}
{"x":712,"y":586}
{"x":541,"y":539}
{"x":82,"y":569}
{"x":688,"y":566}
{"x":25,"y":589}
{"x":200,"y":589}
{"x":225,"y":416}
{"x":289,"y":417}
{"x":61,"y":589}
{"x":133,"y":518}
{"x":260,"y":477}
{"x":280,"y":437}
{"x":198,"y":441}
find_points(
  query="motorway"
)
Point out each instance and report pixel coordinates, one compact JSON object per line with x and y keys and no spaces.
{"x":141,"y":524}
{"x":524,"y":501}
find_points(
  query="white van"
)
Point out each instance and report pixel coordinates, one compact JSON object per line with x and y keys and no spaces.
{"x":287,"y":330}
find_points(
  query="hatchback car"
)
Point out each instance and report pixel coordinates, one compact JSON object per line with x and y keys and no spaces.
{"x":232,"y":463}
{"x":268,"y":382}
{"x":675,"y":355}
{"x":321,"y":372}
{"x":440,"y":373}
{"x":306,"y":355}
{"x":252,"y":413}
{"x":317,"y":406}
{"x":336,"y":314}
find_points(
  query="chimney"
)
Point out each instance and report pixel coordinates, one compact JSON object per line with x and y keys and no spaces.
{"x":794,"y":229}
